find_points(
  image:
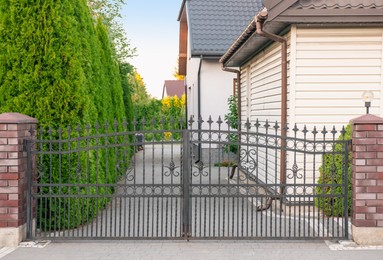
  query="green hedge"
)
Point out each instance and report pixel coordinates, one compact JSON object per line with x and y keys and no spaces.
{"x":78,"y":166}
{"x":331,"y":172}
{"x":57,"y":65}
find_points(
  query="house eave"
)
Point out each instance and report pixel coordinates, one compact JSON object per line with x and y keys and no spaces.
{"x":181,"y":10}
{"x":282,"y":15}
{"x":206,"y":56}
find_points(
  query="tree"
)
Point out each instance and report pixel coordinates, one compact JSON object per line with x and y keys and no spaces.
{"x":42,"y":73}
{"x":140,"y":94}
{"x":109,"y":11}
{"x":57,"y":65}
{"x":125,"y":71}
{"x":176,"y":74}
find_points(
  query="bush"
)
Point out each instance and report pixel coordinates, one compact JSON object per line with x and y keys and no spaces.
{"x":232,"y":119}
{"x":331,"y":172}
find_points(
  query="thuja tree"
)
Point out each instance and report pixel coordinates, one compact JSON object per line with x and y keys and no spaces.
{"x":125,"y":70}
{"x":56,"y":66}
{"x":42,"y":73}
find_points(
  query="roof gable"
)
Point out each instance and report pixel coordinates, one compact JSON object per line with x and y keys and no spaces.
{"x":215,"y":24}
{"x":173,"y":88}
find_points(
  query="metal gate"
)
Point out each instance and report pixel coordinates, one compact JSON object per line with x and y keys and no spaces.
{"x":204,"y":182}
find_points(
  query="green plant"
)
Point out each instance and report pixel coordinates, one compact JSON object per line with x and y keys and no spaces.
{"x":332,"y":172}
{"x":232,"y":119}
{"x":225,"y":163}
{"x":57,"y":65}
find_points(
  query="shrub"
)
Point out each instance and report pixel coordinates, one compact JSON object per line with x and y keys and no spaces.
{"x":232,"y":119}
{"x":331,"y":172}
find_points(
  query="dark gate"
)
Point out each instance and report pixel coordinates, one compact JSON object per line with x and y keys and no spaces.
{"x":207,"y":182}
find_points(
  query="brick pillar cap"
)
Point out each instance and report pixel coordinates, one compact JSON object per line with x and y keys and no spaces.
{"x":367,"y":119}
{"x":16,"y":118}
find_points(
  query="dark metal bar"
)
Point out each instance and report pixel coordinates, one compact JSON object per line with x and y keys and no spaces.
{"x":27,"y":147}
{"x":186,"y":174}
{"x":138,"y":207}
{"x":346,"y":144}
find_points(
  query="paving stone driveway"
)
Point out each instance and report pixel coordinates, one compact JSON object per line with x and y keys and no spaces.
{"x":158,"y":250}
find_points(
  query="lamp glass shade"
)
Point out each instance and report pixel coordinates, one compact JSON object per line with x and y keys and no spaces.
{"x":367,"y":96}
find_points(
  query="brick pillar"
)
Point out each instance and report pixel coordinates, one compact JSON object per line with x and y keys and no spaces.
{"x":13,"y":182}
{"x":367,"y":180}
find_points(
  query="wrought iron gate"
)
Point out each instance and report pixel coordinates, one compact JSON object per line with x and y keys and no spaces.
{"x":204,"y":182}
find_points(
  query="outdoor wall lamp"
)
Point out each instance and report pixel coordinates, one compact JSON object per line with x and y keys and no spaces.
{"x":367,"y":97}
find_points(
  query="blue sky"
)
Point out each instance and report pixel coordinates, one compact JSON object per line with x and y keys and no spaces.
{"x":152,"y":28}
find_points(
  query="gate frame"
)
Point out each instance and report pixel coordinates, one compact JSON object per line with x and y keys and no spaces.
{"x":186,"y":176}
{"x":9,"y":134}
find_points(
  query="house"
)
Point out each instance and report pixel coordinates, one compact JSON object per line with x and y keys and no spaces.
{"x":207,"y":29}
{"x":308,"y":62}
{"x":334,"y":53}
{"x":173,"y":88}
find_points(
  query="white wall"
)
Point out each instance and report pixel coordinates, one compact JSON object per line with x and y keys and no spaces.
{"x":216,"y":87}
{"x":329,"y":68}
{"x":333,"y":66}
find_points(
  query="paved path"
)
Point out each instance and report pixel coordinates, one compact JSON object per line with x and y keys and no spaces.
{"x":198,"y":250}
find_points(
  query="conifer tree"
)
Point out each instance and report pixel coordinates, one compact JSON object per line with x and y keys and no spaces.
{"x":56,"y":65}
{"x":42,"y":70}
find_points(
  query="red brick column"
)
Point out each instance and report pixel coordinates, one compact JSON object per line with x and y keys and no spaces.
{"x":367,"y":180}
{"x":14,"y":128}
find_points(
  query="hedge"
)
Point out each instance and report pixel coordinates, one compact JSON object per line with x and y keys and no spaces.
{"x":57,"y":65}
{"x":332,"y":172}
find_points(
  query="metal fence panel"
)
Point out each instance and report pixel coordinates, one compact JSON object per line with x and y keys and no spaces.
{"x":213,"y":182}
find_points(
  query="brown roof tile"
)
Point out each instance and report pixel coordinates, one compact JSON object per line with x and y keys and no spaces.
{"x":173,"y":88}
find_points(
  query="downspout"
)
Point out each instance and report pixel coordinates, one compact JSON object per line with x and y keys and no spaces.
{"x":239,"y":113}
{"x":186,"y":106}
{"x":238,"y":92}
{"x":199,"y":110}
{"x":260,"y":19}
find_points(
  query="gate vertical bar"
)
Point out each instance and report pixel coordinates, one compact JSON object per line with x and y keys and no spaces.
{"x":345,"y":186}
{"x":28,"y":149}
{"x":186,"y":184}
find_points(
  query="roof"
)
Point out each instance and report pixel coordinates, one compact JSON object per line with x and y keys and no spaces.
{"x":173,"y":88}
{"x":338,"y":4}
{"x":215,"y":24}
{"x":305,"y":12}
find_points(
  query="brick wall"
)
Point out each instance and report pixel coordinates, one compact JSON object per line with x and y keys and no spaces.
{"x":367,"y":176}
{"x":14,"y":128}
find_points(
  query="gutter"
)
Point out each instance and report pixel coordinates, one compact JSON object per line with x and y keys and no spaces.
{"x":239,"y":101}
{"x":256,"y":27}
{"x":260,"y":19}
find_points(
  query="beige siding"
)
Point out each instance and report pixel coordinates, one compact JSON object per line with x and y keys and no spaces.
{"x":265,"y":80}
{"x":333,"y":68}
{"x":244,"y":96}
{"x":261,"y":99}
{"x":329,"y":68}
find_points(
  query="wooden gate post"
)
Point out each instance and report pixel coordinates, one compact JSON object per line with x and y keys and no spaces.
{"x":14,"y":128}
{"x":367,"y":180}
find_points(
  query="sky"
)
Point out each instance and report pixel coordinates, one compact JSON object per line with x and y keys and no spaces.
{"x":152,"y":27}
